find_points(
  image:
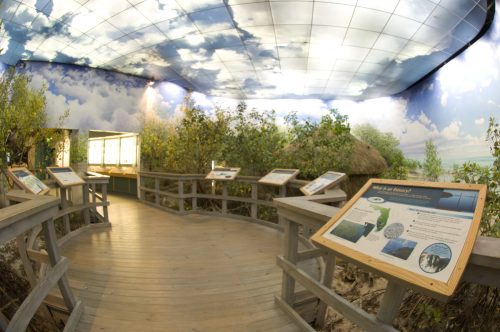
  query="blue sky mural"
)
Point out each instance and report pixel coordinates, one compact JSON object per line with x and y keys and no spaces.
{"x":451,"y":107}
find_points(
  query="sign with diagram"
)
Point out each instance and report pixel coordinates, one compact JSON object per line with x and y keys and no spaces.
{"x":279,"y":177}
{"x":419,"y":232}
{"x":328,"y":180}
{"x":27,"y":181}
{"x":223,"y":173}
{"x":65,"y":176}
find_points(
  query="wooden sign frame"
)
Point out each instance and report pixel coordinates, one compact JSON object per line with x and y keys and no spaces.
{"x":12,"y":174}
{"x":221,"y":173}
{"x":333,"y":237}
{"x":268,"y":178}
{"x":72,"y":179}
{"x":339,"y":178}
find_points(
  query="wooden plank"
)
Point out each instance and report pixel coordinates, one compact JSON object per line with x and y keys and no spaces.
{"x":104,"y":191}
{"x":194,"y":189}
{"x":28,"y":268}
{"x":294,"y":315}
{"x":4,"y":322}
{"x":64,"y":206}
{"x":486,"y":252}
{"x":20,"y":218}
{"x":128,"y":281}
{"x":54,"y":257}
{"x":291,"y":246}
{"x":27,"y":309}
{"x":310,"y":253}
{"x":38,"y":256}
{"x":344,"y":307}
{"x":254,"y":206}
{"x":74,"y":318}
{"x":327,"y":280}
{"x":86,"y":211}
{"x":391,"y":302}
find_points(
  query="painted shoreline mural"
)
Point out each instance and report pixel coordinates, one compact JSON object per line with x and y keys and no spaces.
{"x":451,"y":107}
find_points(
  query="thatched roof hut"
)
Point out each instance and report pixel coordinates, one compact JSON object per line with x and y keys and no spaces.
{"x":366,"y":162}
{"x":366,"y":159}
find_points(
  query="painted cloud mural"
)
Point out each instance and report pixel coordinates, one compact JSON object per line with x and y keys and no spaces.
{"x":248,"y":49}
{"x":452,"y":107}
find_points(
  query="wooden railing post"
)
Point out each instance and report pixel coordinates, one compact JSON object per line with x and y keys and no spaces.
{"x":94,"y":198}
{"x":157,"y":191}
{"x":181,"y":195}
{"x":254,"y":206}
{"x":54,"y":257}
{"x":291,"y":245}
{"x":282,"y":193}
{"x":86,"y":211}
{"x":391,"y":302}
{"x":194,"y":191}
{"x":64,"y":206}
{"x":104,"y":189}
{"x":327,"y":281}
{"x":224,"y":197}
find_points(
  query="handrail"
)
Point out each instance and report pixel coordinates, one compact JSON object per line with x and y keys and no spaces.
{"x":483,"y":266}
{"x":15,"y":221}
{"x":87,"y":207}
{"x":150,"y":191}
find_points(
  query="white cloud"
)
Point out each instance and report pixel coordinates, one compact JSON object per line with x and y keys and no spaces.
{"x":94,"y":103}
{"x":452,"y":131}
{"x":444,"y":99}
{"x":424,"y":119}
{"x":477,"y":68}
{"x":479,"y":121}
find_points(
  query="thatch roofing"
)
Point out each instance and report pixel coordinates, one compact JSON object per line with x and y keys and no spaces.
{"x":366,"y":160}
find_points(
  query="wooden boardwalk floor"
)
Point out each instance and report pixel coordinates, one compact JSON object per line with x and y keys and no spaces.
{"x":155,"y":271}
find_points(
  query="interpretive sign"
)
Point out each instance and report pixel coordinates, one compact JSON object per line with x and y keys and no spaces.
{"x":27,"y":181}
{"x":223,"y":173}
{"x":418,"y":232}
{"x":325,"y":181}
{"x":279,"y":177}
{"x":65,"y":176}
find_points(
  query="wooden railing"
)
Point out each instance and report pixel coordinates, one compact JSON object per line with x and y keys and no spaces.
{"x":89,"y":208}
{"x":311,"y":212}
{"x":32,"y":216}
{"x":17,"y":220}
{"x":243,"y":198}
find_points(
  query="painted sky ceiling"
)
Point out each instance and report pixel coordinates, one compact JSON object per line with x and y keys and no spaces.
{"x":248,"y":49}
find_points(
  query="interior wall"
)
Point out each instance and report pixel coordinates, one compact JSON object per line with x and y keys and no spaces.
{"x":451,"y":107}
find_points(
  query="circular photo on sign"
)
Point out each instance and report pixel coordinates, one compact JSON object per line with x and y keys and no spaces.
{"x":394,"y":230}
{"x":376,"y":199}
{"x":435,"y":258}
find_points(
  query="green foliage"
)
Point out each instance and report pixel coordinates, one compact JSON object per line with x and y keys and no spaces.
{"x":254,"y":140}
{"x":245,"y":138}
{"x":78,"y":148}
{"x":197,"y":140}
{"x":154,"y":143}
{"x":432,"y":316}
{"x":474,"y":173}
{"x":387,"y":145}
{"x":315,"y":147}
{"x":432,"y":164}
{"x":22,"y":116}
